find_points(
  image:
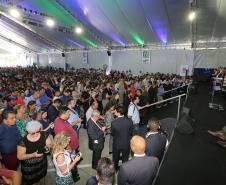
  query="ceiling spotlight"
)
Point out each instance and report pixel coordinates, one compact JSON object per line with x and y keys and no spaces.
{"x":78,"y":30}
{"x":14,"y":13}
{"x":50,"y":22}
{"x":191,"y":16}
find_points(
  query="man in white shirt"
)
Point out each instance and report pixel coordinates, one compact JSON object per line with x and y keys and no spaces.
{"x":34,"y":97}
{"x":94,"y":106}
{"x":134,"y":114}
{"x":74,"y":119}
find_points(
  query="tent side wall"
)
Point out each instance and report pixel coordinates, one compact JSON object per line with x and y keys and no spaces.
{"x":165,"y":61}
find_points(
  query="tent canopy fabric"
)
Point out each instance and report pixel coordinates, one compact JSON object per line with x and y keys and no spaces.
{"x":114,"y":23}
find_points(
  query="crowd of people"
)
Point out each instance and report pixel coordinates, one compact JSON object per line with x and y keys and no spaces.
{"x":43,"y":109}
{"x":219,"y":72}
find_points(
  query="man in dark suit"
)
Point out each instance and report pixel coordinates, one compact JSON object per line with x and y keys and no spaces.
{"x":53,"y":110}
{"x":122,"y":131}
{"x":155,"y":140}
{"x":96,"y":137}
{"x":152,"y":92}
{"x":141,"y":169}
{"x":105,"y":173}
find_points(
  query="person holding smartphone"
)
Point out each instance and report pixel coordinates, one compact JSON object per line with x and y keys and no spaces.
{"x":31,"y":152}
{"x":64,"y":162}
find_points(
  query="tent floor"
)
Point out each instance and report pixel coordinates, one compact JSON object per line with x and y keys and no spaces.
{"x":191,"y":159}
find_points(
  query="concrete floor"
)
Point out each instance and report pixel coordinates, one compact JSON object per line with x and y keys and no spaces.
{"x":84,"y":168}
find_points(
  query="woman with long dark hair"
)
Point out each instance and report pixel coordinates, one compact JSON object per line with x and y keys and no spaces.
{"x":32,"y":109}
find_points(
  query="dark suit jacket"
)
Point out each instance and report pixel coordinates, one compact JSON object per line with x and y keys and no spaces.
{"x":152,"y":94}
{"x":95,"y":134}
{"x":122,"y":131}
{"x":138,"y":171}
{"x":92,"y":181}
{"x":155,"y":145}
{"x":52,"y":113}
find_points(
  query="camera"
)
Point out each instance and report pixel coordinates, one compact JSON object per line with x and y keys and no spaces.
{"x":46,"y":150}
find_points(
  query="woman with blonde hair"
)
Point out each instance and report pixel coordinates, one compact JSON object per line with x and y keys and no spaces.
{"x":62,"y":159}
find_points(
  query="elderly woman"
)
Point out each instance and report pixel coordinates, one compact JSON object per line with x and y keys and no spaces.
{"x":31,"y":152}
{"x":62,"y":159}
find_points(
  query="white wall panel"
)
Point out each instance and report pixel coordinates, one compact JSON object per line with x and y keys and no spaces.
{"x":53,"y":59}
{"x":166,"y":61}
{"x":210,"y":58}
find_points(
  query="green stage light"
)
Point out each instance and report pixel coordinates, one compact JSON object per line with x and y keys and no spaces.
{"x":137,"y":38}
{"x":61,"y":15}
{"x":55,"y":10}
{"x":89,"y":42}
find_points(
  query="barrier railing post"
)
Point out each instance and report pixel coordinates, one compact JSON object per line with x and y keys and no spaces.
{"x":178,"y":108}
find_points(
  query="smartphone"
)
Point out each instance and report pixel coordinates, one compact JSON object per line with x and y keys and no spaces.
{"x":78,"y":154}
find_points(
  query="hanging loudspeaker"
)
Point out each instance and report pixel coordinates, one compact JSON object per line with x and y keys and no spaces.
{"x":109,"y":53}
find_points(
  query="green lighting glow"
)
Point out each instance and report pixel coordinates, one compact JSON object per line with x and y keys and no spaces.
{"x":89,"y":42}
{"x":137,"y":38}
{"x":61,"y":15}
{"x":58,"y":12}
{"x":44,"y":50}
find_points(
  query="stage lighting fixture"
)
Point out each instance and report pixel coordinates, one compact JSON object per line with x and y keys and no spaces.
{"x":50,"y":22}
{"x":78,"y":30}
{"x":191,"y":16}
{"x":14,"y":13}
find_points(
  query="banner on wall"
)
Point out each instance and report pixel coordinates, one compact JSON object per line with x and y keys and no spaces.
{"x":146,"y":56}
{"x":85,"y":57}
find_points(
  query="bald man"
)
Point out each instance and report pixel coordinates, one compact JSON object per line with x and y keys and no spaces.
{"x":141,"y":169}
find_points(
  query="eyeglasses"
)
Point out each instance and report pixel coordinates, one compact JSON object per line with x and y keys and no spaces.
{"x":37,"y":131}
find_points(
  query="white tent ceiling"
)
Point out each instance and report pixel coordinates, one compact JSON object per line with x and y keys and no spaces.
{"x":114,"y":23}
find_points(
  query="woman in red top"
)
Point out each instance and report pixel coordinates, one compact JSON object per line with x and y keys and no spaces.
{"x":20,"y":99}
